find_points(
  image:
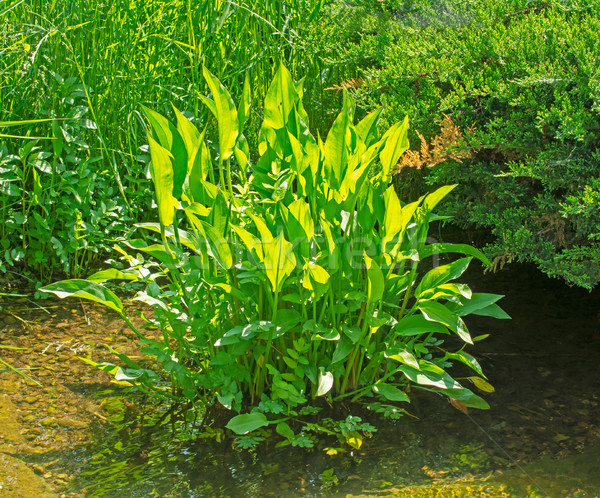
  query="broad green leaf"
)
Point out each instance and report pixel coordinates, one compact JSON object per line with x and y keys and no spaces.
{"x":298,"y":161}
{"x":296,"y":232}
{"x":336,"y":148}
{"x":342,"y":349}
{"x":354,"y":183}
{"x":198,"y":164}
{"x":219,"y":246}
{"x":367,"y":128}
{"x":161,"y":169}
{"x":332,"y":249}
{"x":429,"y":377}
{"x":494,"y":311}
{"x":279,"y":261}
{"x":328,"y":334}
{"x":280,"y":101}
{"x":128,"y":374}
{"x":396,"y":144}
{"x":200,"y":210}
{"x":201,"y":170}
{"x":86,"y":290}
{"x":477,"y":302}
{"x":467,"y":397}
{"x":151,"y":301}
{"x":242,"y":154}
{"x":442,"y":274}
{"x":325,"y":383}
{"x":375,"y":278}
{"x":405,"y":357}
{"x":190,"y":136}
{"x":317,"y":273}
{"x":244,"y":108}
{"x":285,"y":430}
{"x":202,"y":191}
{"x":253,"y":244}
{"x":157,"y":251}
{"x":434,"y":198}
{"x":220,"y":213}
{"x":418,"y":325}
{"x":446,"y":291}
{"x":169,"y":138}
{"x":316,"y":280}
{"x":392,"y":221}
{"x":467,"y":250}
{"x":185,"y":238}
{"x":286,"y":320}
{"x":300,"y":210}
{"x":467,"y":359}
{"x":437,"y":312}
{"x":210,"y":103}
{"x":226,"y":113}
{"x":353,"y":333}
{"x":390,"y":392}
{"x":111,"y":274}
{"x":247,"y":422}
{"x":266,"y":236}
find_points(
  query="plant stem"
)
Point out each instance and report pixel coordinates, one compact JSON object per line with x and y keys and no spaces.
{"x":411,"y":280}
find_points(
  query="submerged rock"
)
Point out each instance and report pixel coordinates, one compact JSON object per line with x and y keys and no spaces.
{"x":70,"y":423}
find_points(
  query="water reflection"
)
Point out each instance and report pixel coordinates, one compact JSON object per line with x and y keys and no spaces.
{"x":541,"y":435}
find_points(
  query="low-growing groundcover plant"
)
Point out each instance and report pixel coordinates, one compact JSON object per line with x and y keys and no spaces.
{"x":292,"y":277}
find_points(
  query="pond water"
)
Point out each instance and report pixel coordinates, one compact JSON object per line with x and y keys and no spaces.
{"x":541,"y":436}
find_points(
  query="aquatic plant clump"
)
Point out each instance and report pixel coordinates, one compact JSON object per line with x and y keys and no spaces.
{"x":294,"y":276}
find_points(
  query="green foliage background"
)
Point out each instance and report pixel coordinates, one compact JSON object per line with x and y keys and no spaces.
{"x":524,"y":76}
{"x":88,"y":67}
{"x":520,"y":79}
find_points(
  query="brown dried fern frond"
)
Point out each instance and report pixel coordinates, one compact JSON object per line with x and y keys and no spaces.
{"x":346,"y":85}
{"x":448,"y":144}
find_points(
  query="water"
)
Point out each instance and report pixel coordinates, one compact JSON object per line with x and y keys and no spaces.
{"x":540,"y":437}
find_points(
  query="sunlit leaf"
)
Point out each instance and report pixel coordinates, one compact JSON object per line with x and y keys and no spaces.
{"x":336,"y":147}
{"x":161,"y":169}
{"x":367,"y":127}
{"x":434,"y":198}
{"x":397,"y":143}
{"x":442,"y":274}
{"x":376,"y":280}
{"x":171,"y":141}
{"x":279,"y":261}
{"x":86,"y":290}
{"x":111,"y":274}
{"x":226,"y":114}
{"x":482,"y":385}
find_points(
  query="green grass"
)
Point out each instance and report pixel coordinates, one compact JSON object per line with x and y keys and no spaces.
{"x":92,"y":66}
